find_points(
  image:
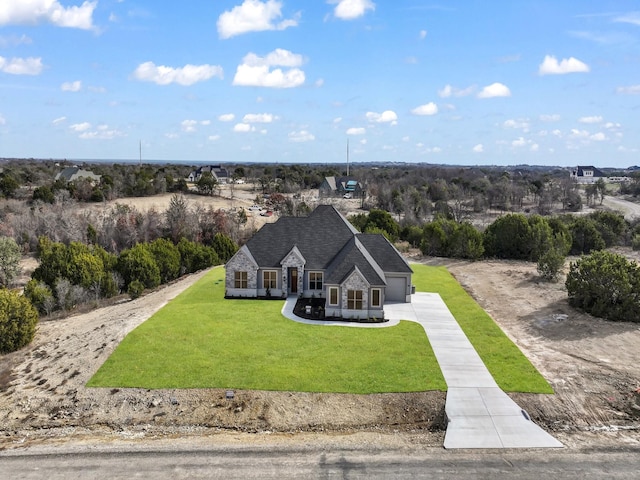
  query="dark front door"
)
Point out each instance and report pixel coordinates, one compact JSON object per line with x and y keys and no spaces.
{"x":293,"y":279}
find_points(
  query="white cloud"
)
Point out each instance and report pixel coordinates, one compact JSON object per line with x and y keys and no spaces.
{"x":550,"y":118}
{"x":423,"y":34}
{"x":495,"y":90}
{"x":556,"y":133}
{"x":189,"y":126}
{"x":551,"y":66}
{"x":363,"y":141}
{"x":629,"y":90}
{"x":59,"y":120}
{"x":243,"y":128}
{"x":351,"y":9}
{"x":172,"y":136}
{"x":3,"y":121}
{"x":575,"y":133}
{"x":406,"y":138}
{"x":187,"y":75}
{"x":337,"y":120}
{"x":80,"y":127}
{"x":518,"y":124}
{"x":450,"y":91}
{"x":519,"y":142}
{"x":301,"y":136}
{"x":319,"y":83}
{"x":591,"y":119}
{"x":226,"y":117}
{"x":479,"y":148}
{"x":259,"y":118}
{"x":612,"y":125}
{"x":426,"y":109}
{"x":205,"y":122}
{"x":356,"y":131}
{"x":256,"y":71}
{"x":102,"y":132}
{"x":534,"y":147}
{"x":21,"y":66}
{"x":71,"y":86}
{"x":388,"y":116}
{"x":254,"y":16}
{"x":598,"y":137}
{"x":632,"y":18}
{"x":33,"y":12}
{"x":214,"y":138}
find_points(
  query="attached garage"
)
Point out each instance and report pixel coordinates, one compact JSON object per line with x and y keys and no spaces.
{"x":397,"y":289}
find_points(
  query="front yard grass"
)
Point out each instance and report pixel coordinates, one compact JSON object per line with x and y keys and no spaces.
{"x":201,"y":340}
{"x":512,"y":371}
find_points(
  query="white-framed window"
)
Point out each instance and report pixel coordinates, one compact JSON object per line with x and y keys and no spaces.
{"x":376,"y":297}
{"x":269,"y":279}
{"x":354,"y":299}
{"x":240,"y":279}
{"x":315,"y":280}
{"x":333,"y":296}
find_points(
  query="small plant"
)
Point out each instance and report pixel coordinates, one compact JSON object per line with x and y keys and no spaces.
{"x":135,"y":289}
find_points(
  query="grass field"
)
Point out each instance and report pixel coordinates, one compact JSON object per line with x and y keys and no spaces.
{"x":201,"y":340}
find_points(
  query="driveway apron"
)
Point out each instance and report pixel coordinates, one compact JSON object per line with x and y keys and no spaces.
{"x":479,"y":413}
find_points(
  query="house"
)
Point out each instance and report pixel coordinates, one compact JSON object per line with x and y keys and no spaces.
{"x":321,"y":256}
{"x":586,"y":175}
{"x":340,"y":186}
{"x":70,"y":174}
{"x":220,"y":173}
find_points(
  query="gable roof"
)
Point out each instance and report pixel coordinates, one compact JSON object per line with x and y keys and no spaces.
{"x":354,"y":255}
{"x":579,"y":171}
{"x":385,"y":253}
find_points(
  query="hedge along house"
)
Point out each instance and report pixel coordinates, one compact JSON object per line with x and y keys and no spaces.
{"x":321,"y":256}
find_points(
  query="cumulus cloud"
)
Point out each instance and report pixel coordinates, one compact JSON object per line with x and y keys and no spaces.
{"x":71,"y":86}
{"x":80,"y":127}
{"x":451,"y":91}
{"x":519,"y":142}
{"x":33,"y":12}
{"x":301,"y":136}
{"x":629,"y":90}
{"x":243,"y":128}
{"x":214,"y":138}
{"x":495,"y":90}
{"x":102,"y":132}
{"x":479,"y":148}
{"x":257,"y":71}
{"x":356,"y":131}
{"x":187,"y":75}
{"x":189,"y":126}
{"x":21,"y":66}
{"x":388,"y":116}
{"x":351,"y":9}
{"x":598,"y":137}
{"x":591,"y":119}
{"x":254,"y":16}
{"x":426,"y":109}
{"x":259,"y":118}
{"x":518,"y":124}
{"x":551,"y":66}
{"x":227,"y":117}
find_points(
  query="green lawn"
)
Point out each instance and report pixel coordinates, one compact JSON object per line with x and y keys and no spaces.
{"x":510,"y":368}
{"x":201,"y":340}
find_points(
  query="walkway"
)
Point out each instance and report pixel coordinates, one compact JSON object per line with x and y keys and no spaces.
{"x":480,"y":414}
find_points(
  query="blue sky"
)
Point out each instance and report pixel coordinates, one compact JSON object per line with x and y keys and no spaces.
{"x":456,"y":82}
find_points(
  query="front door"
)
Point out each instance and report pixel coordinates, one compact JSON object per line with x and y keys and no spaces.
{"x":293,"y":279}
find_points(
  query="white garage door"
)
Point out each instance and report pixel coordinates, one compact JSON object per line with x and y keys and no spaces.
{"x":396,"y":289}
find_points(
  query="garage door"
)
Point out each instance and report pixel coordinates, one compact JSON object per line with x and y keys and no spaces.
{"x":396,"y":289}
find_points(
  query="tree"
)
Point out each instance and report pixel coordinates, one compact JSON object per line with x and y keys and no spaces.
{"x":586,"y":237}
{"x":167,"y":257}
{"x":18,"y":321}
{"x":9,"y":261}
{"x":509,"y":236}
{"x":602,"y":189}
{"x":40,"y":295}
{"x":550,"y":264}
{"x":137,"y":263}
{"x":8,"y":185}
{"x":207,"y":183}
{"x":606,"y":285}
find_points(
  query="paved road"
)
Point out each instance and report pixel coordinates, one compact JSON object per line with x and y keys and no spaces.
{"x":247,"y":463}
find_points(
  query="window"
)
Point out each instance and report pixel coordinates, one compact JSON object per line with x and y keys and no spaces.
{"x":269,"y":279}
{"x":240,"y":280}
{"x":354,"y":299}
{"x":375,"y":297}
{"x":333,"y":296}
{"x":315,"y":280}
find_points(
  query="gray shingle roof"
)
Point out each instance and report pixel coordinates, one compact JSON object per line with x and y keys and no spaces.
{"x":385,"y":254}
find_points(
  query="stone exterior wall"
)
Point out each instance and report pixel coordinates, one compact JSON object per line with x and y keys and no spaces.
{"x":290,"y":261}
{"x":355,"y":282}
{"x":240,"y":262}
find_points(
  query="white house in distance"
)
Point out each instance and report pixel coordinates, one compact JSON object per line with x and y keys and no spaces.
{"x":587,"y":174}
{"x":321,"y":256}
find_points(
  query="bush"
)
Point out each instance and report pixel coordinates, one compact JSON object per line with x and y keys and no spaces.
{"x":18,"y":321}
{"x":606,"y":285}
{"x":509,"y":236}
{"x":635,"y":242}
{"x":550,"y":263}
{"x":167,"y":257}
{"x":135,"y":289}
{"x":137,"y":263}
{"x":40,"y":295}
{"x":586,"y":237}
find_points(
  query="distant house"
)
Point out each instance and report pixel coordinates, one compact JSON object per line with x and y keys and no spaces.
{"x":321,"y":256}
{"x":71,"y":174}
{"x":220,"y":173}
{"x":587,"y":175}
{"x":339,"y":186}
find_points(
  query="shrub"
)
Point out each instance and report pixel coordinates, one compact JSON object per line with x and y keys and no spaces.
{"x":550,"y":263}
{"x":167,"y":256}
{"x":586,"y":237}
{"x":40,"y":296}
{"x":606,"y":285}
{"x":9,"y":260}
{"x":635,"y":242}
{"x":18,"y":321}
{"x":137,"y":263}
{"x":135,"y":289}
{"x":612,"y":226}
{"x":509,"y":236}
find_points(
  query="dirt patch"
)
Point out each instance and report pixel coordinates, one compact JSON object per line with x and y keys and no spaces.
{"x":590,"y":363}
